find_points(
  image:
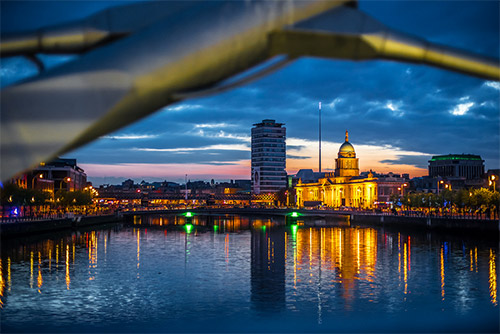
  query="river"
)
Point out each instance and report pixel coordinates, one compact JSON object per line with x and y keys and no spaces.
{"x":245,"y":274}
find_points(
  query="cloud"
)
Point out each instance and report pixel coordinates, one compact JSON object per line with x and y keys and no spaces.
{"x":213,"y":125}
{"x":420,"y":161}
{"x":129,"y":137}
{"x":222,"y":134}
{"x":182,"y":107}
{"x":492,"y":84}
{"x":461,"y":109}
{"x":395,"y":107}
{"x":190,"y":149}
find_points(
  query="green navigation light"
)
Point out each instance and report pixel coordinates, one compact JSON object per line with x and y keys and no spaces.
{"x":189,"y":214}
{"x":189,"y":228}
{"x":295,"y":214}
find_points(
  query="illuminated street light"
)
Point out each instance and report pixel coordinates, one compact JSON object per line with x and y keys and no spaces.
{"x":403,"y":188}
{"x":440,"y":182}
{"x":66,"y":179}
{"x":40,"y":176}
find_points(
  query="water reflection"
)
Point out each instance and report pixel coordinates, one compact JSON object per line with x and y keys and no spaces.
{"x":493,"y":277}
{"x":2,"y":284}
{"x":296,"y":272}
{"x":268,"y":270}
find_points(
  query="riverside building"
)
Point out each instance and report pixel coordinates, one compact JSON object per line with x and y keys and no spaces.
{"x":459,"y":170}
{"x":343,"y":188}
{"x":268,"y":157}
{"x":65,"y":174}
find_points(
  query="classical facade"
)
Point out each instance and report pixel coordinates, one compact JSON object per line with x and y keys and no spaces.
{"x":343,"y":188}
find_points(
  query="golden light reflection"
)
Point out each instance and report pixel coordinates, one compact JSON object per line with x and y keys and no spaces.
{"x":475,"y":258}
{"x":405,"y":274}
{"x":471,"y":261}
{"x":409,"y":253}
{"x":138,"y":250}
{"x":57,"y":256}
{"x":322,"y":241}
{"x":493,"y":278}
{"x":310,"y":250}
{"x":332,"y":250}
{"x":9,"y":282}
{"x":50,"y":259}
{"x":2,"y":284}
{"x":92,"y":243}
{"x":31,"y":270}
{"x":399,"y":256}
{"x":370,"y":249}
{"x":357,"y":252}
{"x":68,"y":280}
{"x":226,"y":248}
{"x":442,"y":272}
{"x":39,"y":278}
{"x":339,"y":243}
{"x":286,"y":243}
{"x":350,"y":254}
{"x":268,"y":253}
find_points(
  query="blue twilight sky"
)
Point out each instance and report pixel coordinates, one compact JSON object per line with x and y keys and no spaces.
{"x":398,"y":115}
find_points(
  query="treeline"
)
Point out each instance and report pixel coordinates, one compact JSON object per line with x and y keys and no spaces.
{"x":452,"y":201}
{"x":13,"y":195}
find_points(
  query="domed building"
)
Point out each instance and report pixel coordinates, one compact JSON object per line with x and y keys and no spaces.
{"x":344,"y":187}
{"x":346,"y":164}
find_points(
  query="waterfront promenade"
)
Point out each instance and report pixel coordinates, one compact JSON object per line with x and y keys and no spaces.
{"x":13,"y":227}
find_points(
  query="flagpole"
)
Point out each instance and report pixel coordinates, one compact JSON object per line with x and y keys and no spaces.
{"x":320,"y":137}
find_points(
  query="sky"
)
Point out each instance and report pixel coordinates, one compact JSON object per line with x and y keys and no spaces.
{"x":398,"y":115}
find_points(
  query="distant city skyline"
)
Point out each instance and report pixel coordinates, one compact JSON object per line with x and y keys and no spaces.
{"x":398,"y":115}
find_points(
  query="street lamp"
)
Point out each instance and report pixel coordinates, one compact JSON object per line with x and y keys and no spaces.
{"x":39,"y":176}
{"x":66,"y":179}
{"x":493,"y":181}
{"x":403,"y":188}
{"x":440,"y":182}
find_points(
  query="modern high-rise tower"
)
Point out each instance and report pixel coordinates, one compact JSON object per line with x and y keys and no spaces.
{"x":268,"y":157}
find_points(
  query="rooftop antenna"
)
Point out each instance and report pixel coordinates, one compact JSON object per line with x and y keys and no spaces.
{"x":320,"y":137}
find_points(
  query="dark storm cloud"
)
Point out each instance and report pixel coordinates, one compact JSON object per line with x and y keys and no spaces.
{"x":406,"y":106}
{"x":418,"y":161}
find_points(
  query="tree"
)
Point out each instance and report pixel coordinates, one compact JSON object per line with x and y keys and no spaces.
{"x":73,"y":198}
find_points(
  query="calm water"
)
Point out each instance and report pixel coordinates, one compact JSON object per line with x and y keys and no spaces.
{"x":247,"y":276}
